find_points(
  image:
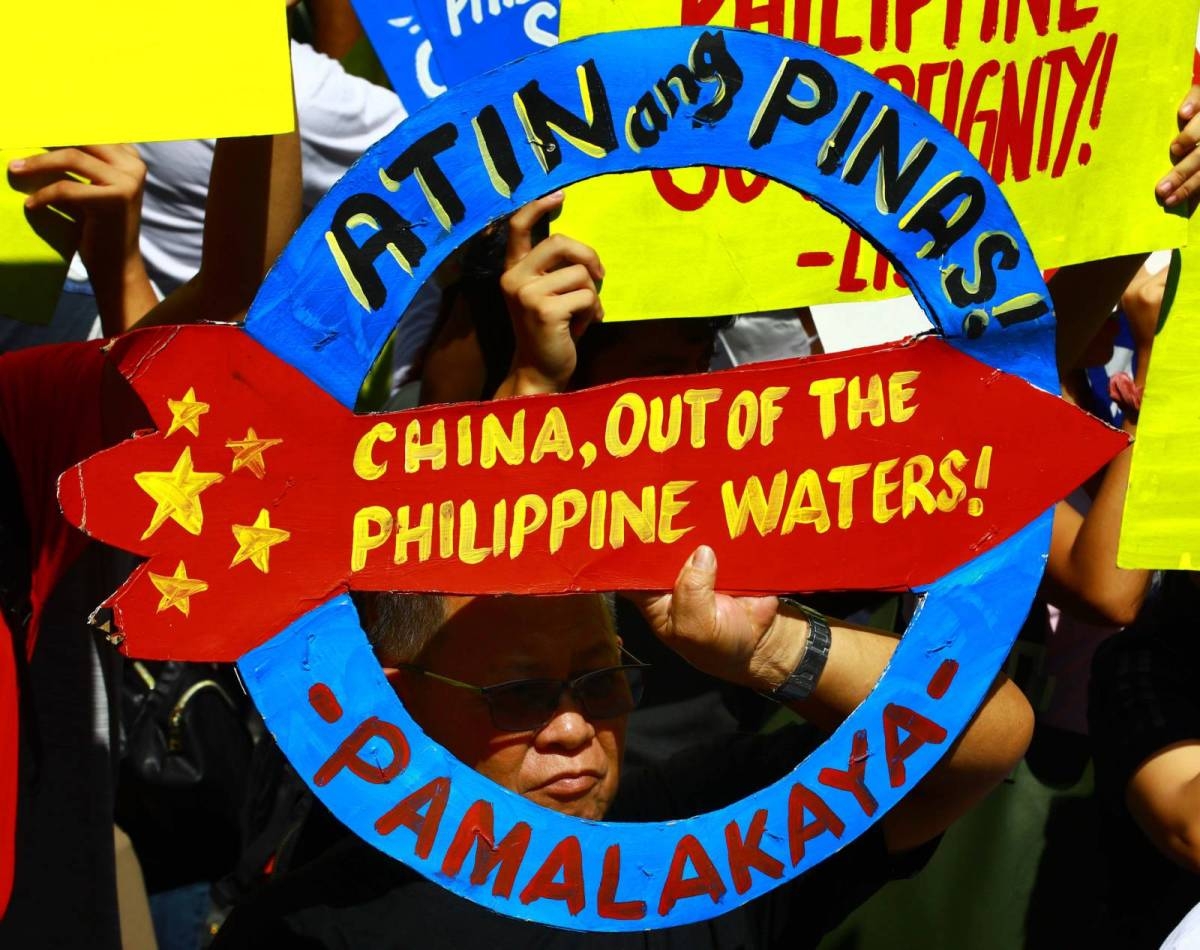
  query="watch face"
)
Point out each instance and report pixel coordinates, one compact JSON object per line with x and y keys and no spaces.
{"x":605,"y":104}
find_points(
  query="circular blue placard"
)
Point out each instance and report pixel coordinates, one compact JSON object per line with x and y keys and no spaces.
{"x":615,"y":103}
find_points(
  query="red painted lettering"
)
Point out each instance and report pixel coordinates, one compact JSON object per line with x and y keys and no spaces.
{"x":749,"y":13}
{"x":607,"y":905}
{"x":741,"y":190}
{"x":1072,"y":18}
{"x":677,"y":887}
{"x":1014,"y":131}
{"x":800,"y":832}
{"x":853,"y":778}
{"x":698,"y":12}
{"x":347,"y":755}
{"x":408,"y":813}
{"x":682,"y":200}
{"x":746,"y":853}
{"x":565,"y":859}
{"x":831,"y":41}
{"x":475,"y":830}
{"x":920,"y":731}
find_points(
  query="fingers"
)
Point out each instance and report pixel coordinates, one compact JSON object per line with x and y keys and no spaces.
{"x":521,"y":224}
{"x":65,"y":195}
{"x":562,"y":295}
{"x":1190,"y":107}
{"x":1182,"y":183}
{"x":102,"y":167}
{"x":694,"y":599}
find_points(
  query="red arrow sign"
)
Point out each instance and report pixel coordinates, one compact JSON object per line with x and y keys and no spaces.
{"x":260,"y":496}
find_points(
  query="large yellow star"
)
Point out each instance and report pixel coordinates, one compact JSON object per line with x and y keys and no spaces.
{"x":177,"y":493}
{"x":255,"y":541}
{"x":248,"y":452}
{"x":177,"y":589}
{"x":186,"y":413}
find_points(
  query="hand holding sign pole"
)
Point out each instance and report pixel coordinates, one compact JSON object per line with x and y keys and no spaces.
{"x":874,"y":468}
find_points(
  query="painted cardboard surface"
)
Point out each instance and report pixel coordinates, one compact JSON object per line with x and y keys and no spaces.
{"x":880,"y":469}
{"x":473,"y":36}
{"x":1160,"y":529}
{"x":404,"y":48}
{"x":1071,"y":107}
{"x":140,"y":71}
{"x":33,"y":265}
{"x":479,"y":151}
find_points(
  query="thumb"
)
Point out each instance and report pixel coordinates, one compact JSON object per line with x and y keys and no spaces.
{"x":694,"y":602}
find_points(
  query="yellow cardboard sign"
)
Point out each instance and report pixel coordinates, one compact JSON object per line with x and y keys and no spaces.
{"x":1161,"y":526}
{"x":1070,"y":104}
{"x":33,"y":265}
{"x":80,"y":72}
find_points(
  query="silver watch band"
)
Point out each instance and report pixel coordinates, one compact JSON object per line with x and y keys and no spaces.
{"x":803,"y":679}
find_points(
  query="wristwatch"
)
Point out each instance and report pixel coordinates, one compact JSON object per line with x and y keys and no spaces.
{"x":803,"y":679}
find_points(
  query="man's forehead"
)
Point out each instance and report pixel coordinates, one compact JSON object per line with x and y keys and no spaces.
{"x":531,"y":627}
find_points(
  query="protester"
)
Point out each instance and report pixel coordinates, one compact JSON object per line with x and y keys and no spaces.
{"x":58,"y":405}
{"x":568,"y":758}
{"x":1145,"y":722}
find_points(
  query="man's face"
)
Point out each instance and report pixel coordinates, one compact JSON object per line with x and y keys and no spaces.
{"x":572,"y":764}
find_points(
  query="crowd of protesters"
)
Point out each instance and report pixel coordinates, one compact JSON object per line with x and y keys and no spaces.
{"x":1068,"y":812}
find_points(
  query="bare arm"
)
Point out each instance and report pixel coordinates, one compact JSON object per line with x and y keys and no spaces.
{"x":1163,"y":796}
{"x":752,"y":642}
{"x":1082,"y":574}
{"x":254,"y":207}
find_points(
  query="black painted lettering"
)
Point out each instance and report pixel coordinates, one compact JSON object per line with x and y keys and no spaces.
{"x":392,"y":233}
{"x":593,"y":133}
{"x":946,"y":213}
{"x":711,"y":63}
{"x":880,"y":145}
{"x":420,"y":161}
{"x":993,"y":250}
{"x":779,"y":103}
{"x":496,"y":149}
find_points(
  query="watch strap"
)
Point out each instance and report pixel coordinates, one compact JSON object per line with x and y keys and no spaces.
{"x":803,"y":679}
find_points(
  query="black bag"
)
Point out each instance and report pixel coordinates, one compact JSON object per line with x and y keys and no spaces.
{"x":188,"y":737}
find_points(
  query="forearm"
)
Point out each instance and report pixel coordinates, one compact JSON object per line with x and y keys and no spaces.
{"x":1084,"y":295}
{"x":124,"y":298}
{"x":991,"y":745}
{"x":254,"y":207}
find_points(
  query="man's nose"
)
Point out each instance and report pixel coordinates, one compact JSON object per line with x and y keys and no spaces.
{"x":570,"y":728}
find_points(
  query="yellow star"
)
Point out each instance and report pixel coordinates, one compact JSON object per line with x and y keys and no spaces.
{"x":186,"y":413}
{"x":255,"y":541}
{"x":177,"y":590}
{"x":248,"y":452}
{"x":177,"y":493}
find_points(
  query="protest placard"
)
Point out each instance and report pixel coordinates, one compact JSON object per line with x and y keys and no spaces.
{"x":404,"y":49}
{"x":1068,"y":104}
{"x":1161,"y":526}
{"x":101,"y":73}
{"x":263,"y":491}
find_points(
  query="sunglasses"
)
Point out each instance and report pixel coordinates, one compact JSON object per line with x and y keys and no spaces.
{"x":527,"y":705}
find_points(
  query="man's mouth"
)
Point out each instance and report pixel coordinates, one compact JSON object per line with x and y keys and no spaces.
{"x":569,"y":785}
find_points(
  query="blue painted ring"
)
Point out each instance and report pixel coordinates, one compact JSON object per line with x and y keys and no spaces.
{"x":308,"y":314}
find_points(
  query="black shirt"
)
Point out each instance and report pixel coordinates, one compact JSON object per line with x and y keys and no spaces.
{"x":1144,"y":697}
{"x":357,"y":897}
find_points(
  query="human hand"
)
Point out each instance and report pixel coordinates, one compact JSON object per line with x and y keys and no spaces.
{"x":744,"y":640}
{"x":1182,"y":183}
{"x":107,"y":207}
{"x":552,"y":292}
